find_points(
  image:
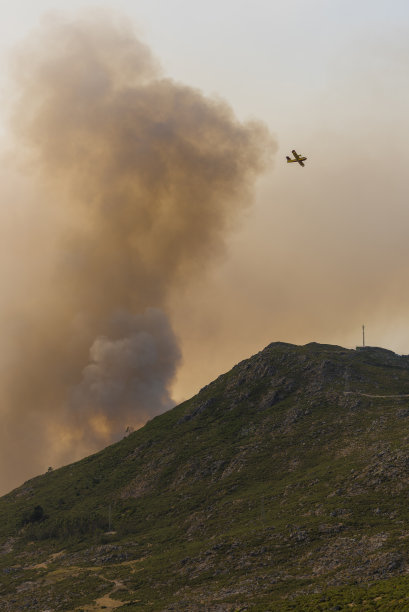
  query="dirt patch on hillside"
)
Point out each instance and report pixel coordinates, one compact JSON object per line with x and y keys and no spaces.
{"x":103,"y":603}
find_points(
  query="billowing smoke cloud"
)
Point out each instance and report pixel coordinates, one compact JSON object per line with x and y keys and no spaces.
{"x":129,"y":377}
{"x":136,"y":180}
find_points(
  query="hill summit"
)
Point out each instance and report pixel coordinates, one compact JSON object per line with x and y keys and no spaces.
{"x":282,"y":485}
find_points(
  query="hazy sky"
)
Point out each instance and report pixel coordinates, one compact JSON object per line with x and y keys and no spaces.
{"x":323,"y":249}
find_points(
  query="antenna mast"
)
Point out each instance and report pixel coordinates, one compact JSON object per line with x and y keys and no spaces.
{"x":363,"y":335}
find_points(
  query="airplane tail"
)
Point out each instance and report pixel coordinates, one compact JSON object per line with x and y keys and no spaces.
{"x":287,"y":158}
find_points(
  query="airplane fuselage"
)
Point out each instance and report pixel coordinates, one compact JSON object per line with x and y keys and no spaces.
{"x":299,"y":159}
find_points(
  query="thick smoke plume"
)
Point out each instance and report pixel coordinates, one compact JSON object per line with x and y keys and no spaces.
{"x":137,"y":180}
{"x":129,"y":377}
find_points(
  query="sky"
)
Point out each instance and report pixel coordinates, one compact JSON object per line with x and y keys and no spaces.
{"x":281,"y":253}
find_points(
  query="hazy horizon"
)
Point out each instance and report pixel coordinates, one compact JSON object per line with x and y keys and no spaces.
{"x":248,"y":250}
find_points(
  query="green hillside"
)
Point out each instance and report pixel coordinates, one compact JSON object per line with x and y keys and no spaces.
{"x":283,"y":485}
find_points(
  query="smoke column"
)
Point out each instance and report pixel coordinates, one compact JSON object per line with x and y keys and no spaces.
{"x":136,"y":180}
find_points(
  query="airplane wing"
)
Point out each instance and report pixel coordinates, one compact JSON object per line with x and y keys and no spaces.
{"x":297,"y":158}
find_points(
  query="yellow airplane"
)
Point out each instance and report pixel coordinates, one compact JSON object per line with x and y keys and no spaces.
{"x":297,"y":158}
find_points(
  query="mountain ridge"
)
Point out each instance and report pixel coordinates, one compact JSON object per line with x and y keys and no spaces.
{"x":281,"y":483}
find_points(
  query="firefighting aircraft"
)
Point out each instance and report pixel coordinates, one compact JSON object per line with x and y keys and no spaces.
{"x":297,"y":158}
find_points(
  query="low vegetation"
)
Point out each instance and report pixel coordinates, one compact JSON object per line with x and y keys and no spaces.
{"x":282,"y":485}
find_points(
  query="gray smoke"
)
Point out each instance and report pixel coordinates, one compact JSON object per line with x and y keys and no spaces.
{"x":128,"y":375}
{"x":137,"y":179}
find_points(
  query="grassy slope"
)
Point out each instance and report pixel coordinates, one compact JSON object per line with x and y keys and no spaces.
{"x":271,"y":489}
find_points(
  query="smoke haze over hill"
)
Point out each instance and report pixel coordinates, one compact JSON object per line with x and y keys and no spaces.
{"x":118,"y":201}
{"x":135,"y":181}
